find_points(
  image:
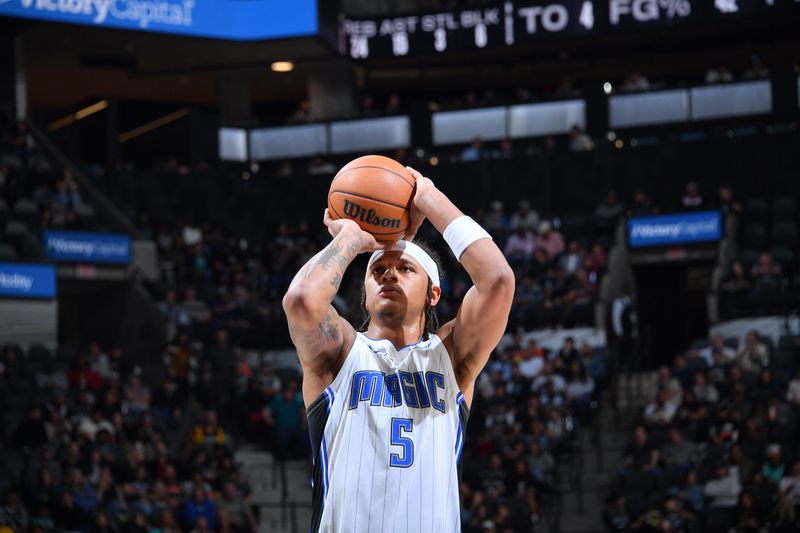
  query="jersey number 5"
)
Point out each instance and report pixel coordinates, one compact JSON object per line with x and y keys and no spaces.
{"x":405,"y":458}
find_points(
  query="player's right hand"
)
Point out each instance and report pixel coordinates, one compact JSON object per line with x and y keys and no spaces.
{"x":366,"y":240}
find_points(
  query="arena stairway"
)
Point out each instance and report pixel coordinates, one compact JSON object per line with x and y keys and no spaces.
{"x":581,"y":506}
{"x":282,"y":496}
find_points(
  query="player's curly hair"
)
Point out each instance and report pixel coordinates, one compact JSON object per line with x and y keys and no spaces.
{"x":431,"y":318}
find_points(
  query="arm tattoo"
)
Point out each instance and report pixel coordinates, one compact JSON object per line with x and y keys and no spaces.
{"x":336,"y":282}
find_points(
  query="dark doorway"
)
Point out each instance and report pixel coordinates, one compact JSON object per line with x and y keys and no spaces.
{"x":671,"y":305}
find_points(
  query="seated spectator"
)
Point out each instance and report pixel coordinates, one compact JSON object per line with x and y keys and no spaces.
{"x":303,"y":113}
{"x":196,"y":310}
{"x":720,"y":74}
{"x":748,"y":517}
{"x":542,"y":466}
{"x":199,"y":506}
{"x":717,"y":345}
{"x":474,"y":152}
{"x":519,"y":247}
{"x":579,"y":141}
{"x":793,"y":394}
{"x":638,"y":452}
{"x":635,"y":82}
{"x":240,"y":515}
{"x":608,"y":212}
{"x":772,"y":470}
{"x":616,"y":516}
{"x":527,"y":303}
{"x":724,"y":488}
{"x":13,"y":515}
{"x":703,"y":390}
{"x":726,"y":203}
{"x":495,"y":221}
{"x":671,"y":384}
{"x":572,"y":259}
{"x":679,"y":451}
{"x":595,"y":261}
{"x":735,"y":292}
{"x":580,"y":388}
{"x":393,"y":105}
{"x":175,"y":314}
{"x":660,"y":411}
{"x":756,"y":71}
{"x":789,"y":486}
{"x":753,"y":355}
{"x":692,"y":199}
{"x":550,"y":240}
{"x":565,"y":356}
{"x":693,"y":493}
{"x":525,"y":216}
{"x":578,"y":302}
{"x":532,"y":363}
{"x":210,"y":432}
{"x":641,"y":204}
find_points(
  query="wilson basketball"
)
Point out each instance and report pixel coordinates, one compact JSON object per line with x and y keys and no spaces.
{"x":376,"y":192}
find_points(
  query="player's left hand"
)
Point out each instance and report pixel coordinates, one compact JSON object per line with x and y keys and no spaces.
{"x":424,"y":185}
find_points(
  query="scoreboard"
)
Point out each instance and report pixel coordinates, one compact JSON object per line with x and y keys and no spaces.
{"x":516,"y":22}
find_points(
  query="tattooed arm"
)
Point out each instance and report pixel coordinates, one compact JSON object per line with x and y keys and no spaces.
{"x":321,"y":336}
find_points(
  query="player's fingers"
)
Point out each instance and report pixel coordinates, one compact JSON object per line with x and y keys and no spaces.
{"x":415,"y":173}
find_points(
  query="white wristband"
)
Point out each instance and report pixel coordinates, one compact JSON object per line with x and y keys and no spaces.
{"x":462,"y":232}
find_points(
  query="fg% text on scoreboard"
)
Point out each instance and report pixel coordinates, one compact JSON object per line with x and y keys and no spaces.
{"x":507,"y":24}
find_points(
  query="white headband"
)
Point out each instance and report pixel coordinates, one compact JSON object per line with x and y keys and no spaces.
{"x":421,"y":256}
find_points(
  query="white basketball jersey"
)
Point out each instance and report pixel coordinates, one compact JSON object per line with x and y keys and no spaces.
{"x":387,"y":436}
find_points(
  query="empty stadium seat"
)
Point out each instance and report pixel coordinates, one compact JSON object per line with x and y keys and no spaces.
{"x":27,"y":211}
{"x":756,"y":210}
{"x":754,"y":235}
{"x":748,"y":257}
{"x":784,"y":234}
{"x":784,"y":208}
{"x":7,"y":252}
{"x":784,"y":257}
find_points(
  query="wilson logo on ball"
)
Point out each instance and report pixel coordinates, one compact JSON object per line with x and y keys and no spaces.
{"x":357,"y":212}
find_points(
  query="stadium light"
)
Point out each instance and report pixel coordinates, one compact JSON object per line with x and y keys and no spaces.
{"x":282,"y":66}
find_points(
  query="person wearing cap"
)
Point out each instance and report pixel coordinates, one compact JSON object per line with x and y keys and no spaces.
{"x":387,"y":406}
{"x":550,"y":240}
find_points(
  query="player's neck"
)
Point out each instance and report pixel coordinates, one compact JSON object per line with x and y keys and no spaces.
{"x":399,"y":335}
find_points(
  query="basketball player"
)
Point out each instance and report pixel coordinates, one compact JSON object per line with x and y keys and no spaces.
{"x":387,"y":408}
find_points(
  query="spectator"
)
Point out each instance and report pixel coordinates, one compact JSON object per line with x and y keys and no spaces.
{"x":692,"y":199}
{"x":474,"y":152}
{"x":747,"y":516}
{"x":720,"y":74}
{"x":671,"y":385}
{"x":525,"y":216}
{"x":756,"y":70}
{"x":789,"y":486}
{"x":175,"y":314}
{"x":393,"y":104}
{"x":579,"y":141}
{"x":209,"y":433}
{"x":288,"y":412}
{"x":635,"y":82}
{"x":680,"y":451}
{"x":724,"y":489}
{"x":519,"y":248}
{"x":717,"y":345}
{"x":197,"y":508}
{"x":550,"y":240}
{"x":595,"y":261}
{"x":240,"y":516}
{"x":726,"y":203}
{"x":13,"y":514}
{"x":616,"y":516}
{"x":608,"y":212}
{"x":641,"y":205}
{"x":496,"y":221}
{"x":793,"y":394}
{"x":579,"y":389}
{"x":572,"y":259}
{"x":773,"y":468}
{"x":302,"y":114}
{"x":532,"y":364}
{"x":30,"y":433}
{"x":752,"y":355}
{"x":660,"y":411}
{"x":703,"y":390}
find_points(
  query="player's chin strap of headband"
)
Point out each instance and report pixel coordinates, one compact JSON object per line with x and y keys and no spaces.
{"x":420,"y":256}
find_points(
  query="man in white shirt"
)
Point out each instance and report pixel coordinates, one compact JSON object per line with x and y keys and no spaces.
{"x":717,"y":343}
